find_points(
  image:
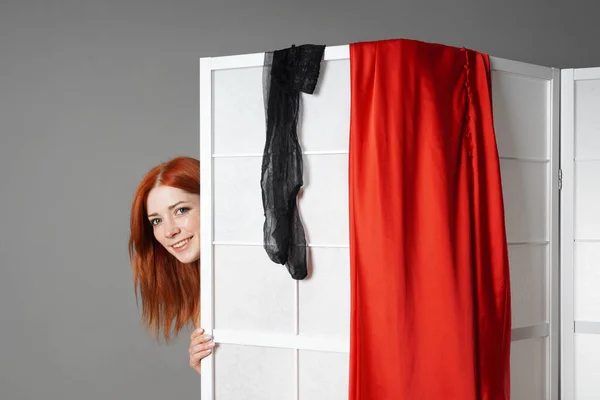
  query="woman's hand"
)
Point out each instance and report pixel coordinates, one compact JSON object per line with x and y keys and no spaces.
{"x":201,"y":346}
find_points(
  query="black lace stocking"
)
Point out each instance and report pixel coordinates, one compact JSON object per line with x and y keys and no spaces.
{"x":286,"y":73}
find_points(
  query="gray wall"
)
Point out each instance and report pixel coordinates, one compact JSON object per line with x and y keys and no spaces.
{"x":93,"y":93}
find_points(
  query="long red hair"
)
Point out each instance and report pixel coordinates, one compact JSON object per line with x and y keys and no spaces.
{"x":170,"y":289}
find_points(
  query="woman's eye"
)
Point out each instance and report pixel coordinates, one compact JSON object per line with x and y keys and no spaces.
{"x":155,"y":221}
{"x":183,"y":210}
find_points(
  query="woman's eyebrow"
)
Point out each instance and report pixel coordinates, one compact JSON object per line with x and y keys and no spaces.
{"x":170,"y":208}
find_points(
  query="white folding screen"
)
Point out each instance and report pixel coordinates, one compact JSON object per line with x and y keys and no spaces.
{"x":580,"y":233}
{"x":282,"y":339}
{"x":526,"y":111}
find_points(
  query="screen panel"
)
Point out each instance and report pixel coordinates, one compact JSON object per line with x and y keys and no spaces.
{"x":521,"y":106}
{"x":528,"y":265}
{"x":587,"y":198}
{"x":323,"y":375}
{"x":261,"y":317}
{"x":587,"y":124}
{"x":580,"y":219}
{"x":587,"y":366}
{"x":525,"y":101}
{"x":324,"y":299}
{"x":323,"y":202}
{"x":528,"y":380}
{"x":254,"y":372}
{"x":251,"y":292}
{"x":525,"y":187}
{"x":587,"y":282}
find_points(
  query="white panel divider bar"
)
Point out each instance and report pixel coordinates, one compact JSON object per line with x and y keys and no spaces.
{"x":342,"y":52}
{"x":582,"y":74}
{"x":332,"y":53}
{"x":519,"y":68}
{"x":313,"y":245}
{"x":342,"y":246}
{"x":333,"y":343}
{"x":567,"y":373}
{"x":342,"y":152}
{"x":207,"y":298}
{"x":584,"y":160}
{"x":587,"y":327}
{"x":553,"y":260}
{"x":530,"y":332}
{"x":296,"y":332}
{"x":306,"y":153}
{"x":523,"y":159}
{"x":530,"y":243}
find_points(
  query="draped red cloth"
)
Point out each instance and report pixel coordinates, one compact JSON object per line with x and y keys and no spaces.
{"x":430,"y":288}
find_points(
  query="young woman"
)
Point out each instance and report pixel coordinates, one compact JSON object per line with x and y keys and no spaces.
{"x":164,"y":248}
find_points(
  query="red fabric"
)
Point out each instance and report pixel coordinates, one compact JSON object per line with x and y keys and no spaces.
{"x":430,"y":289}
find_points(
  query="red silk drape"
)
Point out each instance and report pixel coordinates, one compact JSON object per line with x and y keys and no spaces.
{"x":430,"y":289}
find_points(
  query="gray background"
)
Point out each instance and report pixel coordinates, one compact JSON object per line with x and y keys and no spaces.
{"x":94,"y":93}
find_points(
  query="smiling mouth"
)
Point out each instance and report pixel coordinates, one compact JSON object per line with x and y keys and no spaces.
{"x":180,"y":245}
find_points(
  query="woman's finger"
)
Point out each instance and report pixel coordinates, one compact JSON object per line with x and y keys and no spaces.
{"x":201,"y":347}
{"x":197,"y":357}
{"x":201,"y":339}
{"x":201,"y":354}
{"x":196,"y":332}
{"x":194,"y":346}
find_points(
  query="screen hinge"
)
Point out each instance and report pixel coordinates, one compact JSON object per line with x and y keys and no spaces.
{"x":560,"y":179}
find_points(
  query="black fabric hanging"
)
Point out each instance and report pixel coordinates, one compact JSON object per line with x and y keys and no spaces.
{"x":286,"y":73}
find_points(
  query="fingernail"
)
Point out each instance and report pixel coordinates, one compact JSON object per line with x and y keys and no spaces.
{"x":200,"y":330}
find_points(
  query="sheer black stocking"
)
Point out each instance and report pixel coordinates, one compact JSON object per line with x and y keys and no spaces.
{"x":286,"y":73}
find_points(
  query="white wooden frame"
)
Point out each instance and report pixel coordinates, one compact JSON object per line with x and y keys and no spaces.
{"x":567,"y":237}
{"x":553,"y":283}
{"x":570,"y":326}
{"x":550,"y":329}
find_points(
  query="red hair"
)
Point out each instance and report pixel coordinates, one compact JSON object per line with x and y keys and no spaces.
{"x":170,"y":289}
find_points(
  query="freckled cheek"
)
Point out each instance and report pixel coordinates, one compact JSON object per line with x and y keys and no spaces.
{"x":192,"y":222}
{"x":159,"y":235}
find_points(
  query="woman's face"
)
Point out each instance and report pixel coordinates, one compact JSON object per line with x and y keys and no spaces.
{"x":175,"y":217}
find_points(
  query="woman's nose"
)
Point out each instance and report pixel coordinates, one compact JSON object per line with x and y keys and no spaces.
{"x":172,"y":230}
